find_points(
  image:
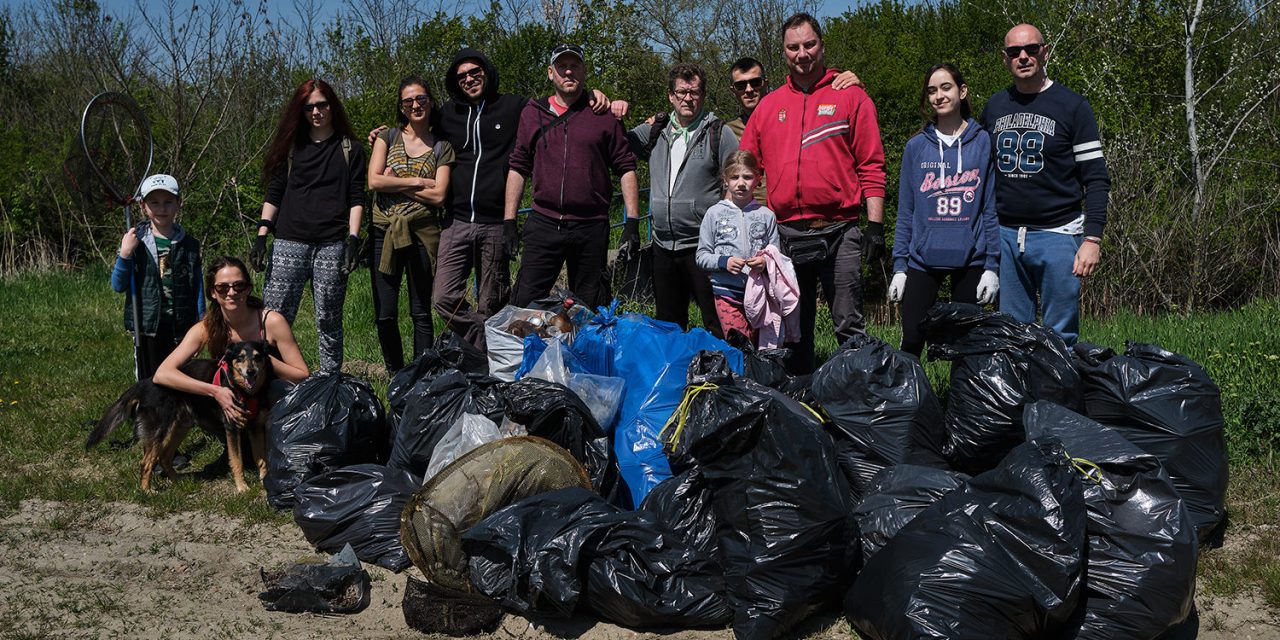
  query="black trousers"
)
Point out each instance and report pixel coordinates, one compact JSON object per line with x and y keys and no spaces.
{"x":152,"y":350}
{"x":677,"y":279}
{"x":921,"y":292}
{"x":581,"y":245}
{"x":415,"y":262}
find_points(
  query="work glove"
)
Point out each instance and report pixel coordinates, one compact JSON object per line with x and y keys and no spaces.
{"x":351,"y":253}
{"x":258,"y":254}
{"x":873,"y":243}
{"x":510,"y":239}
{"x":660,"y":121}
{"x":897,"y":286}
{"x":988,"y":287}
{"x":630,"y":244}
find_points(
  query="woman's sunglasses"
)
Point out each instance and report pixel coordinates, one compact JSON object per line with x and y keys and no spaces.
{"x":421,"y":101}
{"x":318,"y":106}
{"x":223,"y":287}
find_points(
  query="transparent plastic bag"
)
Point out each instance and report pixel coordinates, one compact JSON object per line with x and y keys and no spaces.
{"x":601,"y":394}
{"x":469,"y":432}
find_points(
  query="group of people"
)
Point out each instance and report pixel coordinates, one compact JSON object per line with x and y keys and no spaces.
{"x":1011,"y":203}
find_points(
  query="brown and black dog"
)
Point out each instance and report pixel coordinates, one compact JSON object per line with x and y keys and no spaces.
{"x":162,"y":416}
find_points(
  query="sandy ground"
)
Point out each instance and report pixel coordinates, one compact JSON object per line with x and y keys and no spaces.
{"x":116,"y":572}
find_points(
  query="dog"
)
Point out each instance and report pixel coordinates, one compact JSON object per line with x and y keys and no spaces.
{"x":162,"y":416}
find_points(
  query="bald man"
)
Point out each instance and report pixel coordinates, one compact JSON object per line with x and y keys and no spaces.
{"x":1051,"y":190}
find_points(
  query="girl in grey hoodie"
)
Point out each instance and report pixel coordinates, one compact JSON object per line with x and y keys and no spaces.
{"x":733,"y":233}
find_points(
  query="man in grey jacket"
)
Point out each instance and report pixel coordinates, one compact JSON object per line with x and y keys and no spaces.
{"x":685,"y":157}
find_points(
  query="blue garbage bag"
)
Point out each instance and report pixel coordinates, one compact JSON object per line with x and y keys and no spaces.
{"x":653,"y":358}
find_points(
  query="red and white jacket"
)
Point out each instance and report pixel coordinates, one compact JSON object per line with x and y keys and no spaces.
{"x":820,"y":150}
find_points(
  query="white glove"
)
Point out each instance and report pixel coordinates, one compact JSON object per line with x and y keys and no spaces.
{"x":896,"y":286}
{"x":988,"y":287}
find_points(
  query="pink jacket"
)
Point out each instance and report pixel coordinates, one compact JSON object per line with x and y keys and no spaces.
{"x":772,"y":300}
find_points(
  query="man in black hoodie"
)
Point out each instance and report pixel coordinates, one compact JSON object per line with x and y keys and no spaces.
{"x":481,"y":125}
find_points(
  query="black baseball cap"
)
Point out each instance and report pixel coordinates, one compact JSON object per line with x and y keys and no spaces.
{"x":562,"y":49}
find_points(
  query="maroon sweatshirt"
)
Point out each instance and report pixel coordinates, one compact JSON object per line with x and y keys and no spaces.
{"x":569,"y":158}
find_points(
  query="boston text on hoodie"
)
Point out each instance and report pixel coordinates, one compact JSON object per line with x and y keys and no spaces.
{"x":946,"y":203}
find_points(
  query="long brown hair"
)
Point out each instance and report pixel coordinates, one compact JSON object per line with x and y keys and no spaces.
{"x":288,"y":130}
{"x":216,"y":331}
{"x":926,"y":109}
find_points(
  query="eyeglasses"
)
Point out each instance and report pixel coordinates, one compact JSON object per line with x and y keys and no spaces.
{"x":223,"y":287}
{"x":318,"y":106}
{"x":1032,"y":49}
{"x":477,"y":72}
{"x":421,"y":101}
{"x":754,"y":83}
{"x":685,"y":94}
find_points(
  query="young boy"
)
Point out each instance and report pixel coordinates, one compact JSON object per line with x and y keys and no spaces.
{"x":163,"y":263}
{"x":733,"y":233}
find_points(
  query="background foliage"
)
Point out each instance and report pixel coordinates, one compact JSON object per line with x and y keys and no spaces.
{"x":1187,"y":93}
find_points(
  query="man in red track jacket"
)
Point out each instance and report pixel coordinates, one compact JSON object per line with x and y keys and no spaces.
{"x":821,"y":153}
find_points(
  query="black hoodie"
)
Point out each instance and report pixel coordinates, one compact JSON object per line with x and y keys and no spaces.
{"x":482,"y":134}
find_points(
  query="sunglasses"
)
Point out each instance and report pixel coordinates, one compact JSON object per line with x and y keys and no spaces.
{"x":754,"y":83}
{"x":477,"y":72}
{"x":224,"y":287}
{"x":1032,"y":49}
{"x":317,"y":106}
{"x":421,"y":101}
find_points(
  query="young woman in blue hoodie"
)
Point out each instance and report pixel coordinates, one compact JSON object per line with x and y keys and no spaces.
{"x":946,"y":208}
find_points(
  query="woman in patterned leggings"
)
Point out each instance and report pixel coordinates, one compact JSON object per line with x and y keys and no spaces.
{"x":314,"y":171}
{"x":409,"y":173}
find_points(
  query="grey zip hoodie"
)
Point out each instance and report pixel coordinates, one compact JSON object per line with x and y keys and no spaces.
{"x":728,"y":231}
{"x":677,"y":213}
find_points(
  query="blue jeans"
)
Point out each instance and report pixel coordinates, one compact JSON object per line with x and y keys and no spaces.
{"x":1043,"y":267}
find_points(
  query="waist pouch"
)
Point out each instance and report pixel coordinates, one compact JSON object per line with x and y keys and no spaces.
{"x":805,"y":246}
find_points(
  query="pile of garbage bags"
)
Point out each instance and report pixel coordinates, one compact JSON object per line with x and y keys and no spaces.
{"x":616,"y":466}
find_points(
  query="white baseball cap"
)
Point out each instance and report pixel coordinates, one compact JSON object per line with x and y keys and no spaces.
{"x":160,"y":181}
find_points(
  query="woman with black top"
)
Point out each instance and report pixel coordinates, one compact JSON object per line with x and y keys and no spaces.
{"x":314,"y":171}
{"x":409,"y":173}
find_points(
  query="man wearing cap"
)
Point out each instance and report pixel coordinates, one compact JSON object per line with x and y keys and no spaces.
{"x":569,"y":152}
{"x":821,"y":153}
{"x":1049,"y":160}
{"x":159,"y":262}
{"x":685,"y":152}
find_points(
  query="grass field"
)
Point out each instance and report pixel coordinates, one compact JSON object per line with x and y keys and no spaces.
{"x":64,"y":358}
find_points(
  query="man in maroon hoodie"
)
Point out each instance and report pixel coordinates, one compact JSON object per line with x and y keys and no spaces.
{"x":569,"y":152}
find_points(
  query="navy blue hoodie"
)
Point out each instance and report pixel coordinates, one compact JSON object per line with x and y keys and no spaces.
{"x":946,"y":203}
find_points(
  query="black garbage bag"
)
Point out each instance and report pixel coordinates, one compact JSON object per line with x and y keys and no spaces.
{"x":429,"y":415}
{"x":896,"y":496}
{"x":998,"y":366}
{"x":448,"y":352}
{"x":360,"y":506}
{"x":1167,"y":405}
{"x":552,"y":411}
{"x":769,"y":368}
{"x":884,"y":410}
{"x":683,"y":504}
{"x":545,"y":553}
{"x":1141,"y":573}
{"x":328,"y":421}
{"x":339,"y":585}
{"x":784,"y":530}
{"x":1001,"y":557}
{"x":431,"y":608}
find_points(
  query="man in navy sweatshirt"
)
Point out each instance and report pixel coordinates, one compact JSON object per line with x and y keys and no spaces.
{"x":1049,"y":161}
{"x":568,"y":151}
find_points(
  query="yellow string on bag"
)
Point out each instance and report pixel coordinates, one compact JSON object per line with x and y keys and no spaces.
{"x":681,"y":414}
